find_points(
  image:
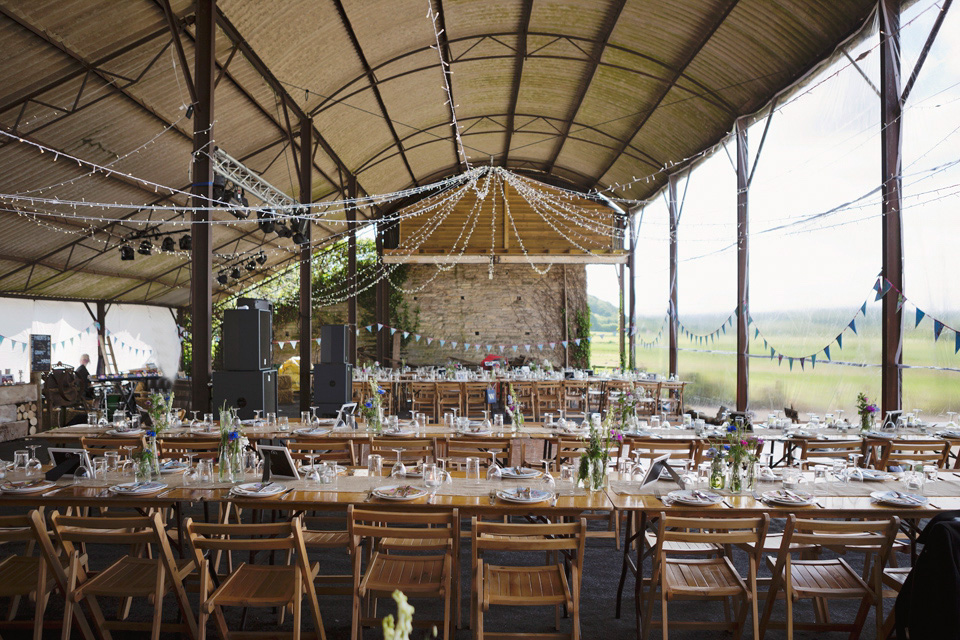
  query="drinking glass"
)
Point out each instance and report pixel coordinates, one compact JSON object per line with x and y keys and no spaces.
{"x":93,"y":418}
{"x":112,"y":459}
{"x":328,"y":471}
{"x":134,"y":422}
{"x":547,"y":480}
{"x":313,"y":474}
{"x":547,"y":420}
{"x":305,"y":418}
{"x":820,"y":477}
{"x":20,"y":459}
{"x":374,"y":468}
{"x":448,"y":420}
{"x":100,"y":469}
{"x":208,"y":421}
{"x":205,"y":471}
{"x":913,"y":479}
{"x":252,"y":465}
{"x":271,"y":422}
{"x":494,"y":472}
{"x":283,"y":423}
{"x":498,"y":422}
{"x":432,"y":478}
{"x":190,"y":475}
{"x":194,"y":422}
{"x":703,"y":473}
{"x":33,"y":464}
{"x":931,"y":473}
{"x":486,"y":425}
{"x":314,"y":418}
{"x":791,"y":479}
{"x":567,"y":475}
{"x":399,"y":470}
{"x":473,"y":470}
{"x":351,"y":422}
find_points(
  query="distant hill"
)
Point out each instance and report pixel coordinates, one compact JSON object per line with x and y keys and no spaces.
{"x":603,"y":315}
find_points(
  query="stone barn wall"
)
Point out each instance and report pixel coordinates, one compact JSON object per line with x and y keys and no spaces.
{"x":518,"y":306}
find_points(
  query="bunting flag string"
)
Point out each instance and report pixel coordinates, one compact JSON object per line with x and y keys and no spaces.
{"x":938,"y":325}
{"x":71,"y":340}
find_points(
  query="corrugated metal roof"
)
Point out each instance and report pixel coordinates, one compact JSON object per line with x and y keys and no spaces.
{"x":597,"y":92}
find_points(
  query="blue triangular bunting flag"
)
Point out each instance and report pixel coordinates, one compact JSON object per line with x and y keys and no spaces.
{"x":920,"y":315}
{"x":791,"y":363}
{"x":853,"y":325}
{"x":937,"y":330}
{"x":772,"y":353}
{"x":863,"y":308}
{"x":813,"y":361}
{"x":454,"y":344}
{"x":802,"y":361}
{"x":840,"y":341}
{"x":956,"y":349}
{"x":883,"y":290}
{"x":406,"y":334}
{"x":443,"y":342}
{"x":393,"y":330}
{"x":826,"y":352}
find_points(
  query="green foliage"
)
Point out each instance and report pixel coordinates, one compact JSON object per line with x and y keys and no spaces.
{"x":603,"y":315}
{"x":580,"y":353}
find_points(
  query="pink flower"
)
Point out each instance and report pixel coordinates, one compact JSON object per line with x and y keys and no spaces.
{"x":743,"y":443}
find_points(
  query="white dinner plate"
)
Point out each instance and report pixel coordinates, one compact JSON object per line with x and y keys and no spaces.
{"x":879,"y":434}
{"x":873,"y":475}
{"x":258,"y":489}
{"x":524,"y":495}
{"x":138,"y":488}
{"x":26,"y":486}
{"x":951,"y":434}
{"x":695,"y":497}
{"x":135,"y":433}
{"x":485,"y":432}
{"x":399,"y":492}
{"x":313,"y":432}
{"x":173,"y":466}
{"x":519,"y":473}
{"x":400,"y":433}
{"x":899,"y":499}
{"x":788,"y":498}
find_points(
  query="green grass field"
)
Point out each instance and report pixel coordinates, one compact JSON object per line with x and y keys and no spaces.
{"x":819,"y":390}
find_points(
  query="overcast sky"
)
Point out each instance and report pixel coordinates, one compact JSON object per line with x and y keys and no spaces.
{"x":822,"y":150}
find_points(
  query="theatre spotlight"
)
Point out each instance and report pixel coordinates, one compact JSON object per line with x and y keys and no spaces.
{"x":222,"y":277}
{"x":251,"y":265}
{"x":266,"y":222}
{"x":261,"y":258}
{"x":145,"y":248}
{"x":283,"y":230}
{"x":126,"y":252}
{"x":235,"y":273}
{"x":186,"y":242}
{"x":168,"y":244}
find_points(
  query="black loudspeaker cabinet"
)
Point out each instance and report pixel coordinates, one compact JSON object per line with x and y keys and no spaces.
{"x":255,"y":303}
{"x":246,"y":390}
{"x":247,"y":339}
{"x":332,"y":384}
{"x":333,"y":343}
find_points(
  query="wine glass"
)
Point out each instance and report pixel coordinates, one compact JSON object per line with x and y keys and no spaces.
{"x":446,"y":477}
{"x":314,"y":419}
{"x":399,"y":470}
{"x":374,"y":468}
{"x":33,"y":464}
{"x":486,"y":425}
{"x":853,"y":471}
{"x":952,"y":424}
{"x":494,"y":472}
{"x":637,"y":471}
{"x":257,"y":422}
{"x":313,"y":475}
{"x":305,"y":418}
{"x":432,"y":478}
{"x":547,"y":480}
{"x":190,"y":475}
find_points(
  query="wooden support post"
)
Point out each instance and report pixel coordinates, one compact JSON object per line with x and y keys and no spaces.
{"x":102,"y":337}
{"x":306,"y":266}
{"x":622,"y":317}
{"x":566,"y":319}
{"x":383,"y":337}
{"x":201,"y":276}
{"x":351,"y":215}
{"x":673,"y":318}
{"x":632,"y":263}
{"x":743,"y":270}
{"x":892,"y":234}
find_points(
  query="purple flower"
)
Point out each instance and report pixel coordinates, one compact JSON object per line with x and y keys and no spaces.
{"x":759,"y":441}
{"x":616,"y":435}
{"x":872,"y":408}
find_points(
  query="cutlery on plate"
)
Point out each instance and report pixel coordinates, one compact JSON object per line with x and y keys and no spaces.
{"x":493,"y":497}
{"x":369,"y":496}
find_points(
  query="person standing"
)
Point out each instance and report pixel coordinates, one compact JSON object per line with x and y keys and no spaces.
{"x":84,"y":375}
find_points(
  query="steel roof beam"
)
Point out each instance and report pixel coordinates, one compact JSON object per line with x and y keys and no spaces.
{"x":525,"y":13}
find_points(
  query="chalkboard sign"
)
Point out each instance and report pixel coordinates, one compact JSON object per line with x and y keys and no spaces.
{"x":39,"y":353}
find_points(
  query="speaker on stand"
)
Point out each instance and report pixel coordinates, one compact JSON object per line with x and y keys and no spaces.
{"x":248,"y":380}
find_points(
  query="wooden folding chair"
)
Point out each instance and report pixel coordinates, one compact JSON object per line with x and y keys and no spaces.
{"x":27,"y":574}
{"x":457,"y":450}
{"x":416,"y":574}
{"x":132,"y":576}
{"x":893,"y":578}
{"x":527,"y":399}
{"x":706,"y":578}
{"x":832,"y":578}
{"x":648,"y":392}
{"x":255,"y":585}
{"x":98,"y":446}
{"x":647,"y":449}
{"x":449,"y":396}
{"x":568,"y":451}
{"x":899,"y":452}
{"x":575,"y":398}
{"x":671,"y":399}
{"x":412,"y":450}
{"x":826,"y":451}
{"x":340,"y":450}
{"x":528,"y":586}
{"x":475,"y":399}
{"x":549,"y":398}
{"x":424,"y":398}
{"x":200,"y":449}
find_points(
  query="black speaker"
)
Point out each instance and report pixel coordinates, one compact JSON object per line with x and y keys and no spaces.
{"x":333,"y":343}
{"x":247,"y":339}
{"x":332,"y":384}
{"x":254,"y":303}
{"x":246,"y":390}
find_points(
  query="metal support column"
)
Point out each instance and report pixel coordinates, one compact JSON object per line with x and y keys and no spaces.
{"x":673,"y":318}
{"x":743,"y":269}
{"x":351,"y":215}
{"x":380,"y":312}
{"x":892,"y":236}
{"x":306,"y":266}
{"x":201,"y":276}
